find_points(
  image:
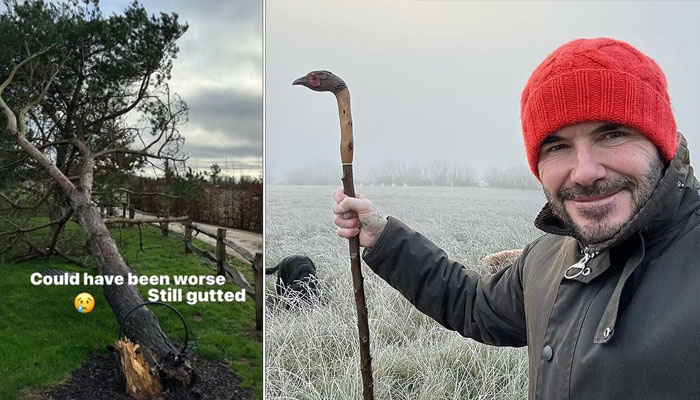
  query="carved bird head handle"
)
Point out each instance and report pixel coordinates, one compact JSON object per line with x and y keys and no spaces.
{"x":324,"y":81}
{"x":321,"y":81}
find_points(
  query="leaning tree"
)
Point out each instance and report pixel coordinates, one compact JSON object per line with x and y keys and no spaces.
{"x":85,"y":101}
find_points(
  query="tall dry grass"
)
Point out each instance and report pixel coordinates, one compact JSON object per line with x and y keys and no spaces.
{"x":313,"y":353}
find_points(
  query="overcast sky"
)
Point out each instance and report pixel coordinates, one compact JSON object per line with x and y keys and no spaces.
{"x":218,"y":72}
{"x":441,"y":80}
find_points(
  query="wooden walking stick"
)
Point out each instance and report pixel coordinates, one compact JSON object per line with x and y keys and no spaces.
{"x":324,"y":81}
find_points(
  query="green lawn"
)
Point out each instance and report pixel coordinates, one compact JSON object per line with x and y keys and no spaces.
{"x":43,"y":338}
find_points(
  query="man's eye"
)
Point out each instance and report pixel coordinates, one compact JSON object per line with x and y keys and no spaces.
{"x":555,"y":148}
{"x":614,"y":134}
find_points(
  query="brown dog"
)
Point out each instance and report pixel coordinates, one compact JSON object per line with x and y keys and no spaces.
{"x":501,"y":259}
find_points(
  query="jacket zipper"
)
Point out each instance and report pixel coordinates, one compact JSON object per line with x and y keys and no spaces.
{"x":580,"y":267}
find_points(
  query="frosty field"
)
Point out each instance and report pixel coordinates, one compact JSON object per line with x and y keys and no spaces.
{"x":313,"y":353}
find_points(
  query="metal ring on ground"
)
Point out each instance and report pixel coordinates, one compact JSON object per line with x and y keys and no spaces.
{"x":187,"y":334}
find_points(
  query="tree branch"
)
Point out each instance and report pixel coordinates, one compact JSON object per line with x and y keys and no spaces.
{"x":13,"y":163}
{"x":33,"y":103}
{"x":11,"y":121}
{"x":22,"y":141}
{"x":57,"y":232}
{"x":139,"y":97}
{"x":20,"y":230}
{"x":17,"y":67}
{"x":12,"y":244}
{"x":140,"y":153}
{"x":71,"y":259}
{"x":125,"y":190}
{"x":41,"y":201}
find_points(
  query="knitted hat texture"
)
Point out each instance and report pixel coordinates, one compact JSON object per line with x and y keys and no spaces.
{"x":603,"y":80}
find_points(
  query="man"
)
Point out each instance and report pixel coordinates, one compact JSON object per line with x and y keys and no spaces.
{"x":608,"y":300}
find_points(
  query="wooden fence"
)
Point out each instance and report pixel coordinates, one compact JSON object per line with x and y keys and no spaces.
{"x":219,"y":257}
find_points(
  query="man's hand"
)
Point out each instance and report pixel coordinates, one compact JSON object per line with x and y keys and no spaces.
{"x":355,"y":216}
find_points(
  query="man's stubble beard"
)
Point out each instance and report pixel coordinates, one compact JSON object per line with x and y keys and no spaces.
{"x":600,"y":231}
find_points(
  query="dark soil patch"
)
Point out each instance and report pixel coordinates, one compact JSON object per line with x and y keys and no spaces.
{"x":98,"y":379}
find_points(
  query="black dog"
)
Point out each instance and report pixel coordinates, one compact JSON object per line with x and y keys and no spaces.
{"x":296,"y":278}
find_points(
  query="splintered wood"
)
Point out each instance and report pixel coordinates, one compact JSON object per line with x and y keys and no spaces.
{"x":140,"y":384}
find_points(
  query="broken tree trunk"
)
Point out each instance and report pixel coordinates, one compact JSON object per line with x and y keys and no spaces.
{"x":139,"y":381}
{"x":142,"y":326}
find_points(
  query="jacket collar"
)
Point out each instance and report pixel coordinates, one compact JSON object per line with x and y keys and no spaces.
{"x":653,"y":217}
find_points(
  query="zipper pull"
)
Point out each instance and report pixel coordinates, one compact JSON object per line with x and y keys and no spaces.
{"x":580,"y":267}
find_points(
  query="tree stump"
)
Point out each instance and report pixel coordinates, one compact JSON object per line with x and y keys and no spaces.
{"x":140,"y":382}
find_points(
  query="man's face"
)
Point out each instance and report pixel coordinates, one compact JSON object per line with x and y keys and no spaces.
{"x":597,"y":175}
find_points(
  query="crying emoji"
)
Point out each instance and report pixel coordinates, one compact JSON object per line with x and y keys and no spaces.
{"x":84,"y":303}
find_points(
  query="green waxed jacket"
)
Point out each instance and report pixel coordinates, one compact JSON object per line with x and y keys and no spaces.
{"x":629,"y":328}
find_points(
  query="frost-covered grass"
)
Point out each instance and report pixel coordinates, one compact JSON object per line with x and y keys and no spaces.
{"x":313,"y":353}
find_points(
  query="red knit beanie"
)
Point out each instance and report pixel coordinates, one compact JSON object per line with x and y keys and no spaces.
{"x":603,"y":80}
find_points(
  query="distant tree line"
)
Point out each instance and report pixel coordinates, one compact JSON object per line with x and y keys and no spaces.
{"x":204,"y":196}
{"x":430,"y":173}
{"x":321,"y":174}
{"x":510,"y":177}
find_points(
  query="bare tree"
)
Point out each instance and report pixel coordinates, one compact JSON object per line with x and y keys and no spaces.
{"x":510,"y":177}
{"x":460,"y":175}
{"x":429,"y":173}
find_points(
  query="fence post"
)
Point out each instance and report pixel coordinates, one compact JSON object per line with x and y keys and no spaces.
{"x":132,"y":212}
{"x":188,"y":236}
{"x":259,"y":290}
{"x":123,"y":214}
{"x":220,"y":251}
{"x":164,"y":228}
{"x":166,"y":225}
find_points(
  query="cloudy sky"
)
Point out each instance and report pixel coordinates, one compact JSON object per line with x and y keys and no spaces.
{"x":441,"y":80}
{"x":218,"y":73}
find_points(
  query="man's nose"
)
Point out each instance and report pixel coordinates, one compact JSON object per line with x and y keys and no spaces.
{"x":587,"y":168}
